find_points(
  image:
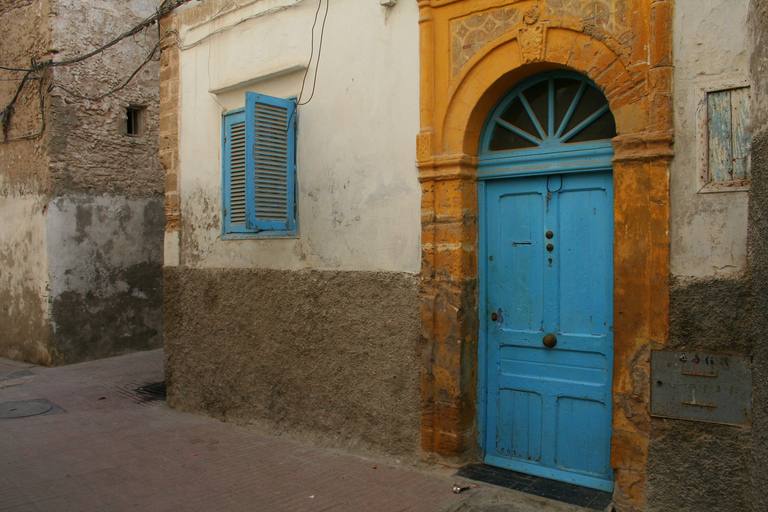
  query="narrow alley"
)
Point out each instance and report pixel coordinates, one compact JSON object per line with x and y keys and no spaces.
{"x":80,"y":438}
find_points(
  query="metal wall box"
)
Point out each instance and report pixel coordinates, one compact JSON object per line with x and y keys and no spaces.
{"x":701,"y":387}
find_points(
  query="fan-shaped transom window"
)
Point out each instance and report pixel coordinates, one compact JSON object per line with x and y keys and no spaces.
{"x":547,"y":111}
{"x":554,"y":122}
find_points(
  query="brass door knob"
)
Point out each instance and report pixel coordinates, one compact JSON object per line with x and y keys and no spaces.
{"x":549,"y":341}
{"x":494,"y":316}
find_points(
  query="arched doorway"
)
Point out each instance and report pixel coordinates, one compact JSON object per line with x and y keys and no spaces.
{"x":545,"y":194}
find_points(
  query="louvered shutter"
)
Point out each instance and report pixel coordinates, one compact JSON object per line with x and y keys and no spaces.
{"x":271,"y":140}
{"x":235,"y":173}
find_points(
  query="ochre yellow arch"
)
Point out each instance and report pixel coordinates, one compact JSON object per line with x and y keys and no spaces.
{"x":497,"y":67}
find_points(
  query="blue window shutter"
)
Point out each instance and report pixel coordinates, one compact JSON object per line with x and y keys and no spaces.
{"x":271,"y":139}
{"x":235,"y":175}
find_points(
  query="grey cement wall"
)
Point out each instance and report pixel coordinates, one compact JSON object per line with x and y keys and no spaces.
{"x":695,"y":466}
{"x":326,"y":353}
{"x":106,"y":277}
{"x":758,"y":247}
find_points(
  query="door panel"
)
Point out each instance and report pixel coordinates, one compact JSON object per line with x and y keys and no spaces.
{"x":548,"y":247}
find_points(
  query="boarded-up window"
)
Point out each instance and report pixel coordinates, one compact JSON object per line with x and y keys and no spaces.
{"x":728,"y":136}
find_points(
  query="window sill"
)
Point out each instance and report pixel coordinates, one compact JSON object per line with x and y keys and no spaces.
{"x":264,"y":235}
{"x":725,"y":186}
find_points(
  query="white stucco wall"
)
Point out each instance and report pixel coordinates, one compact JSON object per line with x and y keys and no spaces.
{"x":708,"y":231}
{"x":358,"y":192}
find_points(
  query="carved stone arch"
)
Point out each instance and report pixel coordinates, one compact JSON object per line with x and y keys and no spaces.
{"x":635,"y":76}
{"x":500,"y":65}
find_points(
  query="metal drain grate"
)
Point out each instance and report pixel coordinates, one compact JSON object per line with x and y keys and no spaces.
{"x":152,"y":391}
{"x":148,"y":393}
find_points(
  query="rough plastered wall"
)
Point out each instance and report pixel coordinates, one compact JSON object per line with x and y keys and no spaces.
{"x":105,"y":215}
{"x":758,"y":248}
{"x":696,"y":466}
{"x":316,"y":333}
{"x":708,"y":232}
{"x":23,"y":165}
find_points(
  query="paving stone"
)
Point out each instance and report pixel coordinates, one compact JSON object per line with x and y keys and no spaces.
{"x":110,"y":453}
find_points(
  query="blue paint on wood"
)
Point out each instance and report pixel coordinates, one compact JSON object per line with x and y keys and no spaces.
{"x":547,"y":411}
{"x":719,"y":119}
{"x":729,"y":139}
{"x":549,"y":407}
{"x":741,"y":138}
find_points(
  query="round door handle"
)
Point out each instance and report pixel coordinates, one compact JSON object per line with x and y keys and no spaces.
{"x":550,"y":340}
{"x":494,"y":316}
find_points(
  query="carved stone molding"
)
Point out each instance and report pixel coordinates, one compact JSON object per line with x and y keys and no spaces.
{"x":531,"y":36}
{"x":472,"y":33}
{"x":644,"y":147}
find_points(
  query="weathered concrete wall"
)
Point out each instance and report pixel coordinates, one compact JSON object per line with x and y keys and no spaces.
{"x":758,"y":247}
{"x":328,"y":353}
{"x":699,"y":467}
{"x":358,"y":193}
{"x":105,"y":213}
{"x":23,"y":278}
{"x":695,"y":466}
{"x":708,"y":231}
{"x":105,"y":276}
{"x":24,"y":33}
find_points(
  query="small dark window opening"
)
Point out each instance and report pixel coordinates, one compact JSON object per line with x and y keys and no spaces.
{"x":133,"y":120}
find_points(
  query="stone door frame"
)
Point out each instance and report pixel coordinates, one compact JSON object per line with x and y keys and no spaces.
{"x":453,"y":108}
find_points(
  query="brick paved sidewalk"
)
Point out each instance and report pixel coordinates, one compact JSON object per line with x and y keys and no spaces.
{"x":103,"y":451}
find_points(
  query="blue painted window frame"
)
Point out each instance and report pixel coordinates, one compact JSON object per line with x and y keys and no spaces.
{"x":553,"y":153}
{"x":262,"y":204}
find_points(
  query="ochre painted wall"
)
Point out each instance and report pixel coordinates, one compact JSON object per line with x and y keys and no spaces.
{"x":472,"y":52}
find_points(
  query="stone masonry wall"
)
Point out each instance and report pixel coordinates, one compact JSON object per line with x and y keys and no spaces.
{"x":105,"y":213}
{"x":24,"y":34}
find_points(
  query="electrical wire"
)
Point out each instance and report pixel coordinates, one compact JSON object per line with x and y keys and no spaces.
{"x":149,"y":57}
{"x":312,"y":52}
{"x":40,"y":69}
{"x":309,"y":64}
{"x":165,"y":8}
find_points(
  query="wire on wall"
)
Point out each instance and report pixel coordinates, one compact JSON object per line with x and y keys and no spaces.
{"x":37,"y":71}
{"x":311,"y":55}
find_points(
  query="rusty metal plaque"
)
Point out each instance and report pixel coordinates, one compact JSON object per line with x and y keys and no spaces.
{"x":701,"y":387}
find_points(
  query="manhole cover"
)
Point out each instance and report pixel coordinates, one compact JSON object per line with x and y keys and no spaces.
{"x":16,"y":378}
{"x":27,"y":408}
{"x":17,"y":375}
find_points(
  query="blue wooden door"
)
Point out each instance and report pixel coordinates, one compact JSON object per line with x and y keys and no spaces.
{"x":546,"y":288}
{"x":549,"y":272}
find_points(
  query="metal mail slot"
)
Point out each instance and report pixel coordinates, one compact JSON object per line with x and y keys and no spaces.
{"x":701,"y":387}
